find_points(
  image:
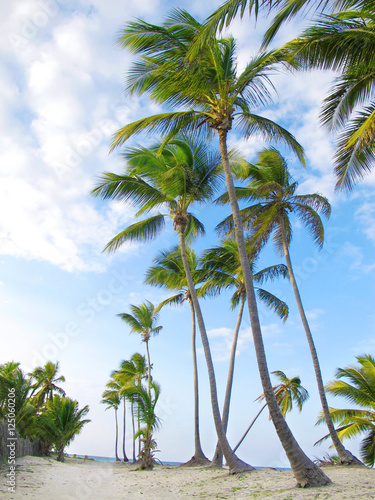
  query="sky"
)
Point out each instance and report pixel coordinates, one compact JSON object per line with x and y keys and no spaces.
{"x":62,"y":98}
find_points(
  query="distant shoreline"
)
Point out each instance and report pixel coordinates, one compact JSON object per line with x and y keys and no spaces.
{"x":38,"y":478}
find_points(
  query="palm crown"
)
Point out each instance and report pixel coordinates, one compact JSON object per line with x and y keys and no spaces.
{"x":273,"y":192}
{"x":211,"y":88}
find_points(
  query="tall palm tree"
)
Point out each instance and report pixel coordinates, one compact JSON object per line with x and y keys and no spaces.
{"x":356,"y":385}
{"x":111,"y":398}
{"x":223,"y":270}
{"x":168,"y":272}
{"x":119,"y":382}
{"x":46,"y":380}
{"x":143,"y":321}
{"x":60,"y":422}
{"x":218,"y":98}
{"x":273,"y":193}
{"x":287,"y":392}
{"x":176,"y":174}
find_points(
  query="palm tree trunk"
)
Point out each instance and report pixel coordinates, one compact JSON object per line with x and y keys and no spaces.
{"x":133,"y":428}
{"x":305,"y":471}
{"x":123,"y":436}
{"x":217,"y":460}
{"x":116,"y":441}
{"x":235,"y":464}
{"x":198,"y":452}
{"x":149,"y":367}
{"x":346,"y":456}
{"x":248,"y":429}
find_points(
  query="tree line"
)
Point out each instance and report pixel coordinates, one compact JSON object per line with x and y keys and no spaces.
{"x":43,"y":413}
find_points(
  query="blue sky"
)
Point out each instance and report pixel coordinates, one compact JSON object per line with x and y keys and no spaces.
{"x":61,"y":83}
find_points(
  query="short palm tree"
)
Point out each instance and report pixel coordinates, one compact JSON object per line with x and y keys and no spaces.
{"x":273,"y":193}
{"x":287,"y":392}
{"x":60,"y":422}
{"x":222,"y":267}
{"x":176,"y":175}
{"x":146,"y":402}
{"x":143,"y":321}
{"x":356,"y":385}
{"x":46,"y":380}
{"x":218,"y":97}
{"x":111,"y":398}
{"x":168,"y":272}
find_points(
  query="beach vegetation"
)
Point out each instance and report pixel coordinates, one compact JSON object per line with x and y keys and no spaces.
{"x":45,"y":382}
{"x":356,"y":384}
{"x":287,"y":392}
{"x":111,"y":399}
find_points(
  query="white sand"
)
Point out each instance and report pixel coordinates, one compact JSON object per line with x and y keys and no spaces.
{"x":44,"y":478}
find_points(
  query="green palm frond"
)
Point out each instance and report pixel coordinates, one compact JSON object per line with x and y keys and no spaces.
{"x":273,"y":303}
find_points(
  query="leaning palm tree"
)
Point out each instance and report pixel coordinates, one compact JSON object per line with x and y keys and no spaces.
{"x":273,"y":193}
{"x":356,"y":385}
{"x":287,"y":392}
{"x":143,"y":321}
{"x":111,"y":398}
{"x":222,"y":267}
{"x":218,"y":98}
{"x":46,"y":382}
{"x":175,"y":174}
{"x":168,"y":272}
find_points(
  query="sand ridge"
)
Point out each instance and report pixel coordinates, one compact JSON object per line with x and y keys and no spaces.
{"x":44,"y":478}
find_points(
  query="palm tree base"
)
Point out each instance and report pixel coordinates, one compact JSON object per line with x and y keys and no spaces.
{"x":197,"y":462}
{"x":352,"y":462}
{"x":313,"y":477}
{"x":239,"y":467}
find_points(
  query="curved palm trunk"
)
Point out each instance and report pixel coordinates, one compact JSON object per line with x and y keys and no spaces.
{"x":123,"y":436}
{"x":116,"y":441}
{"x":248,"y":429}
{"x":217,"y":460}
{"x":305,"y":471}
{"x":235,"y":464}
{"x":346,"y":456}
{"x":198,"y":452}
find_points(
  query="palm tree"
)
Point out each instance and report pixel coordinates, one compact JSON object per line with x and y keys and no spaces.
{"x":45,"y":382}
{"x":168,"y":273}
{"x":287,"y":392}
{"x":60,"y":422}
{"x":176,"y":174}
{"x":218,"y":98}
{"x":119,"y":381}
{"x":143,"y":321}
{"x":272,"y":190}
{"x":342,"y":42}
{"x":130,"y":375}
{"x":146,"y":401}
{"x":359,"y":389}
{"x":223,"y":269}
{"x":111,"y":398}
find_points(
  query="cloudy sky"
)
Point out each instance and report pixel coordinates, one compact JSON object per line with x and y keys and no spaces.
{"x":61,"y":85}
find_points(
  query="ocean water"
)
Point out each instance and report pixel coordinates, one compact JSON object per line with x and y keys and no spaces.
{"x":112,"y":459}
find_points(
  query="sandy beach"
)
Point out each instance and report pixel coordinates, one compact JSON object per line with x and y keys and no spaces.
{"x":44,"y":478}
